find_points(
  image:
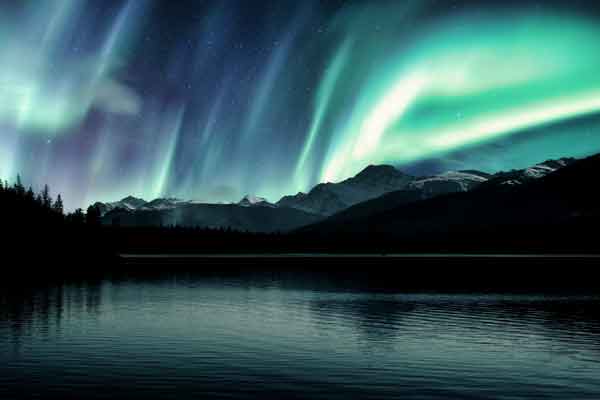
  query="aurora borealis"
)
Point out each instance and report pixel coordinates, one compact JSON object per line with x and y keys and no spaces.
{"x":211,"y":100}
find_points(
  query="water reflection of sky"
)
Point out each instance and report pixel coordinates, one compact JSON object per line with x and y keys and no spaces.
{"x":275,"y":330}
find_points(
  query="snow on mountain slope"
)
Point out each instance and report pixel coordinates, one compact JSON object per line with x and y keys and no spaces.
{"x":449,"y":182}
{"x":328,"y":198}
{"x":520,"y":176}
{"x":215,"y":216}
{"x":255,"y":201}
{"x":163,"y":204}
{"x":374,"y":189}
{"x":129,"y":203}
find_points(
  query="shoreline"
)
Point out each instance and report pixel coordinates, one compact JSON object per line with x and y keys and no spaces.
{"x":133,"y":256}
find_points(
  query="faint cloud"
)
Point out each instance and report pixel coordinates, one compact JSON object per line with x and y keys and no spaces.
{"x":116,"y":98}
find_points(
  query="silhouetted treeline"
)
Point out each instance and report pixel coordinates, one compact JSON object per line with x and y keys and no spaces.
{"x":36,"y":227}
{"x":23,"y":208}
{"x":575,"y":236}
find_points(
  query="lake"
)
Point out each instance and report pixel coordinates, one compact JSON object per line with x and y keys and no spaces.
{"x":292,"y":335}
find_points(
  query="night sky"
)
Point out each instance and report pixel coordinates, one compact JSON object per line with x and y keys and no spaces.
{"x":212,"y":100}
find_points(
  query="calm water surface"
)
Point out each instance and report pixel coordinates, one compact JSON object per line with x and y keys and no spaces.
{"x":284,"y":336}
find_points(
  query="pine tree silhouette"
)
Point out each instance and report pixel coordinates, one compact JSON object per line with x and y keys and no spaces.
{"x":46,"y":199}
{"x":30,"y":196}
{"x":58,"y":205}
{"x":19,"y":188}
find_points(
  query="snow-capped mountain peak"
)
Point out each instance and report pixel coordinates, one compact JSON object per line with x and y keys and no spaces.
{"x":164,"y":204}
{"x":520,"y":176}
{"x":328,"y":198}
{"x":253,"y":201}
{"x":448,"y":182}
{"x":129,"y":203}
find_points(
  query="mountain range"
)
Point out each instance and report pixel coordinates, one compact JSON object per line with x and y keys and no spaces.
{"x":326,"y":199}
{"x":552,"y":207}
{"x":352,"y":204}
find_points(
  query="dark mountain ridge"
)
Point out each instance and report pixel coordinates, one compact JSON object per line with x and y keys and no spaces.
{"x":443,"y":184}
{"x":561,"y":196}
{"x":374,"y":190}
{"x":257,"y":218}
{"x":328,"y":198}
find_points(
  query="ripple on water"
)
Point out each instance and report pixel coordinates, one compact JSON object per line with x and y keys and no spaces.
{"x":236,"y":338}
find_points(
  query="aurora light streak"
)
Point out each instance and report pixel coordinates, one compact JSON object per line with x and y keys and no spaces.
{"x":214,"y":100}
